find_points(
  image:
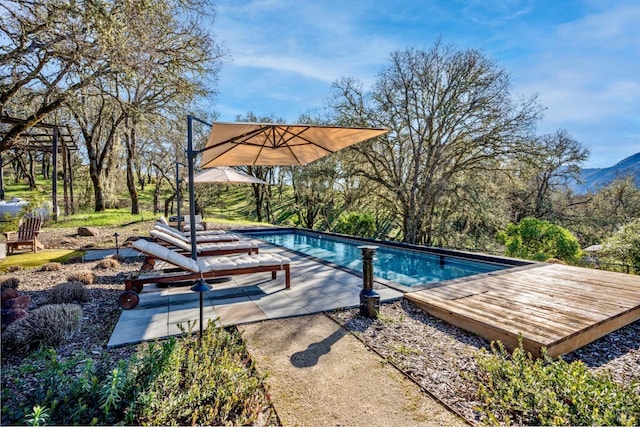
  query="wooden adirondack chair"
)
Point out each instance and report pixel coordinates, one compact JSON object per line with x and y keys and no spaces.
{"x":27,"y":235}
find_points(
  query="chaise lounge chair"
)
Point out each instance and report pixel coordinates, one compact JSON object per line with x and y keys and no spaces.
{"x":192,"y":270}
{"x":164,"y":225}
{"x":203,"y":249}
{"x":27,"y":235}
{"x":186,"y":226}
{"x":200,"y":238}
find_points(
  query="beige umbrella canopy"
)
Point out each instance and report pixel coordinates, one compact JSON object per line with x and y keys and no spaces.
{"x":238,"y":144}
{"x":226,"y":175}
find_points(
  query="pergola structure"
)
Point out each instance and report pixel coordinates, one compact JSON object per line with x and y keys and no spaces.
{"x":47,"y":138}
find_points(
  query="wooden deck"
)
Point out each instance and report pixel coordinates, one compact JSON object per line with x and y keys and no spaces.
{"x":555,"y":306}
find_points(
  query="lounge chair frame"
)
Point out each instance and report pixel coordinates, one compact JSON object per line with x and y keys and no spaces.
{"x":135,"y":281}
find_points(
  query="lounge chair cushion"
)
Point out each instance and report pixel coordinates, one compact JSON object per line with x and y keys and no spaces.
{"x":208,"y":264}
{"x":163,"y":220}
{"x":171,"y":239}
{"x":166,"y":254}
{"x":202,"y":247}
{"x":208,"y":238}
{"x":187,"y":227}
{"x":165,"y":226}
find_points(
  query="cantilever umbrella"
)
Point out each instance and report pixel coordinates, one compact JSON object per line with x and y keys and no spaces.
{"x":268,"y":144}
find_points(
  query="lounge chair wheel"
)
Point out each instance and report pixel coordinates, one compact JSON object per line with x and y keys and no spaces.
{"x":137,"y":287}
{"x":128,"y":300}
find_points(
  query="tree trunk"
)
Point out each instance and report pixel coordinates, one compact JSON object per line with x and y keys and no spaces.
{"x":258,"y":196}
{"x":1,"y":177}
{"x":31,"y":172}
{"x":130,"y":139}
{"x":98,"y":191}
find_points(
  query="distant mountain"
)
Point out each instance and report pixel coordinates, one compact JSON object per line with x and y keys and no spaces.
{"x":595,"y":178}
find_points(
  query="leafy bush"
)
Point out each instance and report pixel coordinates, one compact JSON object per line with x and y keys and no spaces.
{"x":356,"y":224}
{"x":525,"y":391}
{"x":209,"y":382}
{"x":540,"y":240}
{"x":85,"y":276}
{"x":10,"y":222}
{"x":49,"y":326}
{"x":10,"y":283}
{"x":69,"y":292}
{"x":624,"y":246}
{"x":67,"y":391}
{"x":107,"y":263}
{"x":176,"y":382}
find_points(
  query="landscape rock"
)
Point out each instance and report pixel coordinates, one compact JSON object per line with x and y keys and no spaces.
{"x":88,"y":231}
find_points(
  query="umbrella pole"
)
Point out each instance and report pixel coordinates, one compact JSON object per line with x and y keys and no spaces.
{"x":192,"y":196}
{"x":178,"y":195}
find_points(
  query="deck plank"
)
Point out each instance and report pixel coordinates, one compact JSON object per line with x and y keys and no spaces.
{"x":558,"y":307}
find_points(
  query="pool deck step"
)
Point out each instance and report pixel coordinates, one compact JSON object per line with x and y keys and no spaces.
{"x":555,"y":306}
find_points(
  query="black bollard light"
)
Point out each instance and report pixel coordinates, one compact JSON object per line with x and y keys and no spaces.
{"x":369,"y":299}
{"x":201,"y":287}
{"x":117,"y":247}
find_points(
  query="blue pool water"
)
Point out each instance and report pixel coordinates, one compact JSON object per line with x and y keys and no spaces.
{"x":403,"y":266}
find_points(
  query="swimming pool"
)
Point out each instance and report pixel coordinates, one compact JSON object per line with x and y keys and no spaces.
{"x":402,"y":265}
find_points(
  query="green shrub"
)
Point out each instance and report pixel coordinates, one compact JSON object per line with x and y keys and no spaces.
{"x":356,"y":224}
{"x":175,"y":382}
{"x":69,"y":292}
{"x":517,"y":389}
{"x":85,"y":276}
{"x":70,"y":391}
{"x":624,"y":246}
{"x":540,"y":240}
{"x":48,"y":326}
{"x":188,"y":382}
{"x":10,"y":222}
{"x":10,"y":283}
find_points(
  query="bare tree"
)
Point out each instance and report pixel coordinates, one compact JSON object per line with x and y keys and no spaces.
{"x":165,"y":61}
{"x":48,"y":52}
{"x":449,"y":111}
{"x":558,"y":158}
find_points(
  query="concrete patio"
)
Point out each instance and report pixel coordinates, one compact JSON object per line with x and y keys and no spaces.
{"x":315,"y":287}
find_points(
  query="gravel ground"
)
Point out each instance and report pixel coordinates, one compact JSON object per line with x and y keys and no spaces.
{"x":440,"y":356}
{"x":432,"y":352}
{"x":100,"y":313}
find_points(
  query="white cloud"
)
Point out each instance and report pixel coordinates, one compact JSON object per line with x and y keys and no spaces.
{"x":583,"y":65}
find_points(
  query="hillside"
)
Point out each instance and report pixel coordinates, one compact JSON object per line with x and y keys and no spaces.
{"x":595,"y":178}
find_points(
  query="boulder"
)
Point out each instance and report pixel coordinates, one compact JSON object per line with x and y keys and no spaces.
{"x":18,"y":303}
{"x":8,"y":294}
{"x":88,"y":231}
{"x":14,"y":309}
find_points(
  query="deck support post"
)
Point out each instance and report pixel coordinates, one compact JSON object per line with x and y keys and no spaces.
{"x":369,"y":299}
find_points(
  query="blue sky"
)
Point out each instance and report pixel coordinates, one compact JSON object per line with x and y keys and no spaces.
{"x":582,"y":58}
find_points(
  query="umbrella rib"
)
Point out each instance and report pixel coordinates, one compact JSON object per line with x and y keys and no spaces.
{"x":308,"y":141}
{"x":236,"y":138}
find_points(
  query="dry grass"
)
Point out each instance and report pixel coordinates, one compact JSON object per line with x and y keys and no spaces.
{"x":85,"y":276}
